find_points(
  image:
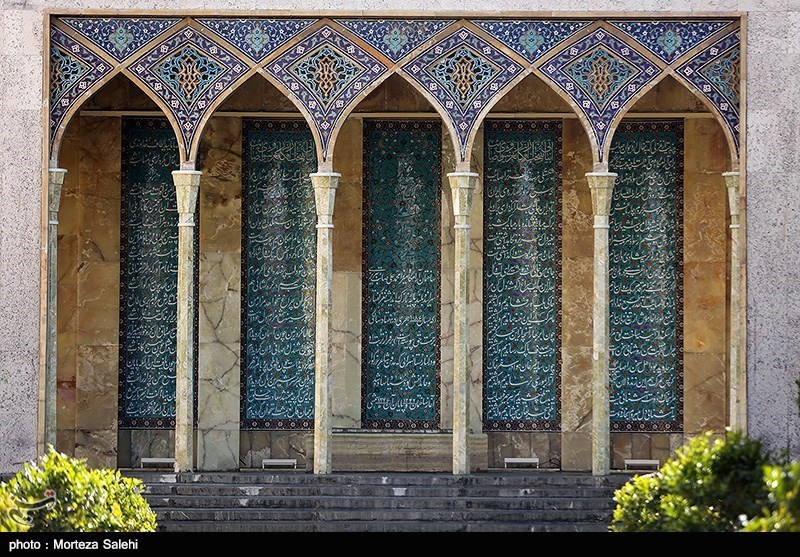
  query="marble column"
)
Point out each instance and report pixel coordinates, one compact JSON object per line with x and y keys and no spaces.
{"x":55,"y":181}
{"x":187,"y":185}
{"x":325,"y":184}
{"x":601,"y":185}
{"x":736,"y":395}
{"x":462,"y":185}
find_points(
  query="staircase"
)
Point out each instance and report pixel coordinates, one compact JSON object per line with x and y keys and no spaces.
{"x":381,"y":502}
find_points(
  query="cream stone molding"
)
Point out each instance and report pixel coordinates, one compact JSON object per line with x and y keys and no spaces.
{"x":602,"y":188}
{"x":737,"y":378}
{"x":325,"y":184}
{"x":55,"y":183}
{"x":462,"y":186}
{"x":187,"y":185}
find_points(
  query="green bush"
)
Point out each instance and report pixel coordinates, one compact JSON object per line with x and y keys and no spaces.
{"x":83,"y":500}
{"x":708,"y":486}
{"x":782,"y":514}
{"x":10,"y":518}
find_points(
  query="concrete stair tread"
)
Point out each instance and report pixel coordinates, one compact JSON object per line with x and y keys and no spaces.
{"x":292,"y":478}
{"x":299,"y":502}
{"x":303,"y":501}
{"x":376,"y":491}
{"x":379,"y":526}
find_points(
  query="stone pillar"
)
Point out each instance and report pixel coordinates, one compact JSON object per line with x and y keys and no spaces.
{"x":325,"y":184}
{"x":738,"y":385}
{"x":55,"y":181}
{"x":602,"y":186}
{"x":462,"y":185}
{"x":187,"y":185}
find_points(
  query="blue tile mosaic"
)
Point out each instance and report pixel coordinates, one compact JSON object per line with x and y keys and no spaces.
{"x":278,"y":275}
{"x":531,"y":39}
{"x":395,"y":38}
{"x":522,"y":275}
{"x":670,"y":39}
{"x":258,"y":38}
{"x":646,"y":278}
{"x":400,"y":306}
{"x":120,"y":37}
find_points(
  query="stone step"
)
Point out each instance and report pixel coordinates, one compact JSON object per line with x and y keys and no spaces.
{"x":511,"y":479}
{"x":378,"y":526}
{"x":392,"y":515}
{"x":313,"y":502}
{"x":342,"y":490}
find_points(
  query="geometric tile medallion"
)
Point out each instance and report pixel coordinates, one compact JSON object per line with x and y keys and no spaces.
{"x":394,"y":38}
{"x":463,"y":73}
{"x":325,"y":72}
{"x":715,"y":72}
{"x":73,"y":70}
{"x":669,"y":40}
{"x":120,"y":37}
{"x":188,"y":71}
{"x":257,"y":38}
{"x":531,"y":38}
{"x":600,"y":73}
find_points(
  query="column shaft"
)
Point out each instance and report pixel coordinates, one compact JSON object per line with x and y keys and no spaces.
{"x":738,"y":386}
{"x":54,"y":184}
{"x":602,"y":187}
{"x":462,"y":185}
{"x":325,"y":184}
{"x":187,"y":185}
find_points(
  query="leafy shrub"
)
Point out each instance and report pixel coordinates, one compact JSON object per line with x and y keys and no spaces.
{"x":9,"y":516}
{"x":783,"y":511}
{"x":62,"y":495}
{"x":706,"y":487}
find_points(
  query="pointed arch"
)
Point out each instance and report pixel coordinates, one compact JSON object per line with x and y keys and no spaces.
{"x":460,"y":74}
{"x":697,"y":94}
{"x":88,"y":38}
{"x":323,"y":101}
{"x":721,"y":36}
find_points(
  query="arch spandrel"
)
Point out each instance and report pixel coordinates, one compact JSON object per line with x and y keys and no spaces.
{"x":120,"y":37}
{"x":188,"y":71}
{"x":116,"y":40}
{"x":669,"y":40}
{"x":714,"y":74}
{"x":699,"y":40}
{"x":601,"y":74}
{"x":257,"y":39}
{"x":461,"y":74}
{"x":326,"y":73}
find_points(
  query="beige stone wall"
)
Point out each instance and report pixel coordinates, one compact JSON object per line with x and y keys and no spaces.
{"x":89,"y":283}
{"x":219,"y":295}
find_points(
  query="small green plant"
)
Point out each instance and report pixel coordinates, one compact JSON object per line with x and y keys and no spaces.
{"x":783,"y":511}
{"x":11,"y":519}
{"x":706,"y":487}
{"x":61,"y":494}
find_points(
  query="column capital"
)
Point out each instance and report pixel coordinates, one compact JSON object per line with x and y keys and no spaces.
{"x":462,"y":185}
{"x":732,"y":180}
{"x":187,"y":186}
{"x":325,"y":184}
{"x":601,"y":185}
{"x":55,"y":181}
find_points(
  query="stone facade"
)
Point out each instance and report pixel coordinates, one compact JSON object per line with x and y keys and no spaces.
{"x":90,"y":218}
{"x":88,"y":310}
